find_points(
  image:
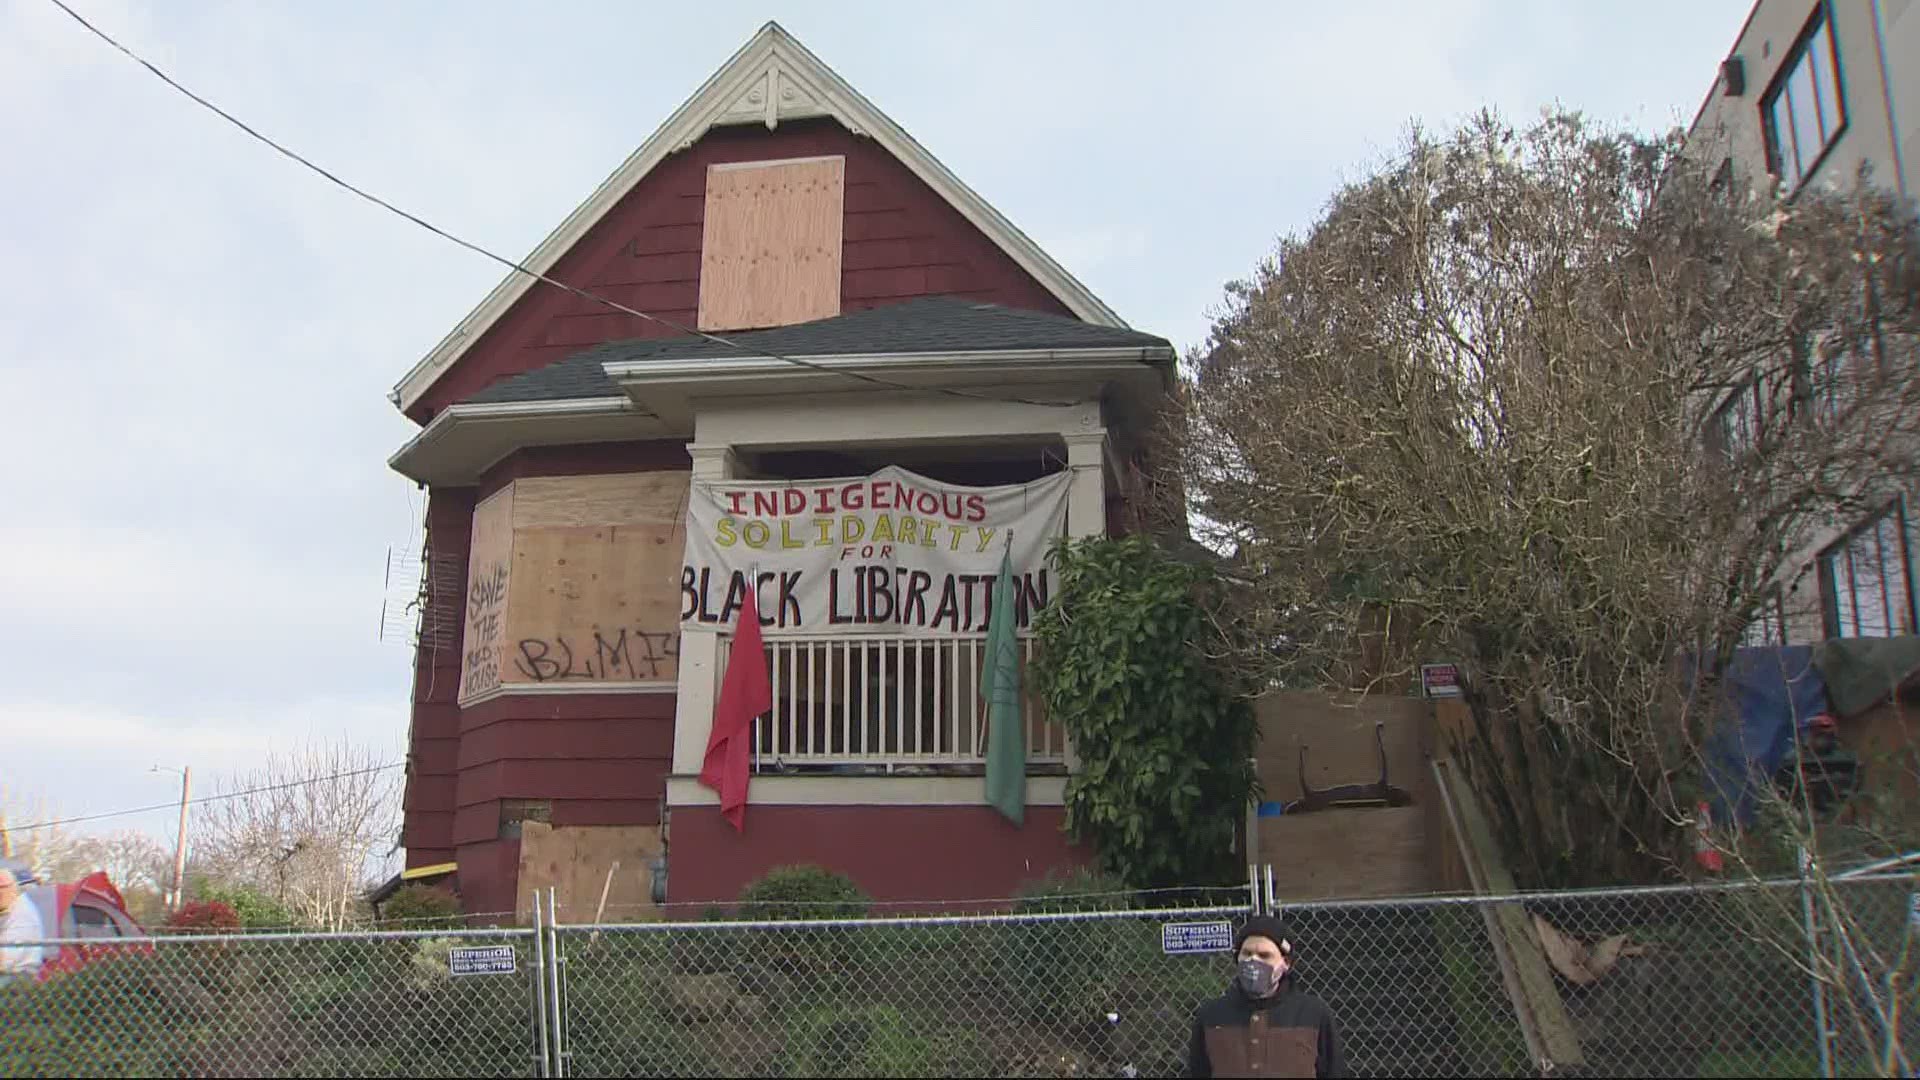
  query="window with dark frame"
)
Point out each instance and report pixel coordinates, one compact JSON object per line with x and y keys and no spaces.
{"x":1804,"y":110}
{"x":1866,"y":579}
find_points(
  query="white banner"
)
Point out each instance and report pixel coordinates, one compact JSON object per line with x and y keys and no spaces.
{"x":889,"y":553}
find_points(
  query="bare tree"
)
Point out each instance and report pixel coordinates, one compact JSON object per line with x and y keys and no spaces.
{"x":307,"y":829}
{"x":1556,"y":404}
{"x":25,"y":834}
{"x":1474,"y":414}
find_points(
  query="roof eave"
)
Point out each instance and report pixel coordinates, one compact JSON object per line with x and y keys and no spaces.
{"x":671,"y":387}
{"x":464,"y":441}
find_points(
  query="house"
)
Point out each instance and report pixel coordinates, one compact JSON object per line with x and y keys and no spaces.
{"x":796,"y":350}
{"x":1811,"y":91}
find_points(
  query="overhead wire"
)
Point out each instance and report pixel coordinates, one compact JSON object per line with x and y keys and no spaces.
{"x":223,"y":797}
{"x":521,"y":268}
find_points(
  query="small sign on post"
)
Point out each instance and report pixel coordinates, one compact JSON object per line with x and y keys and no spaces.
{"x":1440,"y":680}
{"x":1194,"y":938}
{"x":482,"y":960}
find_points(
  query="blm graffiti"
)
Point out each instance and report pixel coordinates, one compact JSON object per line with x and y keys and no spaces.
{"x":607,"y":654}
{"x":486,"y":610}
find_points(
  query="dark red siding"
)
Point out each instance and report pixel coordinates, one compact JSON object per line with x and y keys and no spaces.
{"x":893,"y":852}
{"x":901,"y":240}
{"x":433,"y":750}
{"x":594,"y":759}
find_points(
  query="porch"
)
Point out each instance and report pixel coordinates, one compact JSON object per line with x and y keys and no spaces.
{"x":886,"y":706}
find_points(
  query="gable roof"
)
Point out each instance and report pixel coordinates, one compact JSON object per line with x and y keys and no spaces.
{"x":936,"y":324}
{"x":772,"y":78}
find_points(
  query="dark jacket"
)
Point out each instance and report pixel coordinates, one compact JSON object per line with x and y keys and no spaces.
{"x":1288,"y":1034}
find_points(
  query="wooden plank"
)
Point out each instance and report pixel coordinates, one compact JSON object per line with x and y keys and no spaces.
{"x":771,"y":245}
{"x":595,"y":604}
{"x":489,"y":572}
{"x":1550,"y":1031}
{"x":637,"y":498}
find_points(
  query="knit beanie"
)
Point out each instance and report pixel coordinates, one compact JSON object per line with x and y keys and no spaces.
{"x":1266,"y":926}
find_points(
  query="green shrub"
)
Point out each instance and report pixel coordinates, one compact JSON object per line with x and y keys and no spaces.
{"x":1128,"y":667}
{"x":804,"y":892}
{"x":881,"y":1041}
{"x":256,"y":909}
{"x":422,"y":907}
{"x":117,"y":1016}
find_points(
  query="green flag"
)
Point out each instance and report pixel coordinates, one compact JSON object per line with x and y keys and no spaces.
{"x":1000,"y":693}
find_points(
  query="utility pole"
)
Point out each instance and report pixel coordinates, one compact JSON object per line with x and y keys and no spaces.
{"x":180,"y":842}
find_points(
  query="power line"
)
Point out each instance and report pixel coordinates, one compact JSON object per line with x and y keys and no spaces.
{"x":521,"y":268}
{"x":205,"y":798}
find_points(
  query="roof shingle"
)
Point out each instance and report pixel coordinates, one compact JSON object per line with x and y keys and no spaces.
{"x":928,"y":324}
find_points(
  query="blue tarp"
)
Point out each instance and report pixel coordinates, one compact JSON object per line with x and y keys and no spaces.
{"x":1771,"y":693}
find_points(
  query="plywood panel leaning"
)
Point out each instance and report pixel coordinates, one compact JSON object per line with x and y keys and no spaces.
{"x":771,"y":245}
{"x":596,"y":871}
{"x":489,"y":571}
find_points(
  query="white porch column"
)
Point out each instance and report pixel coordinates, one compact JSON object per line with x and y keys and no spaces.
{"x":1087,"y":499}
{"x":1086,"y":509}
{"x":699,"y":650}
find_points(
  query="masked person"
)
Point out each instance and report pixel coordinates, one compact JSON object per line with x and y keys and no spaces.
{"x":1264,"y":1025}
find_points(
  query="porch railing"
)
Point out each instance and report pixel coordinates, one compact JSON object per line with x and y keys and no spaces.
{"x":885,"y":701}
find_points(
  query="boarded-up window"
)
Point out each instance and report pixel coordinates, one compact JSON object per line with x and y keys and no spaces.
{"x":594,"y":563}
{"x":770,"y":252}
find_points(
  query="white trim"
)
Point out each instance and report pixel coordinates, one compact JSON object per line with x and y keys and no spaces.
{"x":466,"y":440}
{"x":748,"y":363}
{"x":729,"y":166}
{"x":864,"y":791}
{"x":573,"y":686}
{"x":794,"y":83}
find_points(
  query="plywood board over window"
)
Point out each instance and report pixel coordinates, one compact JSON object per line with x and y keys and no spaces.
{"x":489,"y":572}
{"x":596,"y":561}
{"x":771,"y":245}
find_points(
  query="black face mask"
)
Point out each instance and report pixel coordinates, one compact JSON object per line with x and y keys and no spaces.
{"x":1258,"y":978}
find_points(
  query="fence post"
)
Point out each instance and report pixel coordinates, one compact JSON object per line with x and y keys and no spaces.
{"x":1820,"y":1032}
{"x":556,"y":960}
{"x":540,"y":986}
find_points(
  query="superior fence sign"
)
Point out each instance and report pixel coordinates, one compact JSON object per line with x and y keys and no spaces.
{"x":481,"y":960}
{"x":891,"y":552}
{"x":1186,"y":938}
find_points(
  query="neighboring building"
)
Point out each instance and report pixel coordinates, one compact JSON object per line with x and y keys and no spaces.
{"x":1812,"y":90}
{"x":570,"y":655}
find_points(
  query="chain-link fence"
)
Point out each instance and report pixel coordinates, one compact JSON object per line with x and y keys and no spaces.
{"x":1045,"y":994}
{"x":280,"y":1005}
{"x":1644,"y":982}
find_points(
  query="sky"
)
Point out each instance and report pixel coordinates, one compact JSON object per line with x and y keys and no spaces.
{"x":197,"y":337}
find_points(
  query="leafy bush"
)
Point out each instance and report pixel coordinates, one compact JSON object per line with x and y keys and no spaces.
{"x":804,"y":892}
{"x":256,"y":909}
{"x":1126,"y":666}
{"x":118,"y":1016}
{"x":205,"y":917}
{"x":422,"y":907}
{"x":880,"y":1041}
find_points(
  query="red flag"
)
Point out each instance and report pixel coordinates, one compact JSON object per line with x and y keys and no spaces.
{"x":744,"y":695}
